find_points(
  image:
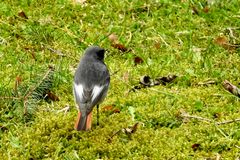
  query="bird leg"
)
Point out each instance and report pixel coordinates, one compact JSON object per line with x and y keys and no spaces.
{"x":77,"y":121}
{"x":89,"y":121}
{"x":97,"y":115}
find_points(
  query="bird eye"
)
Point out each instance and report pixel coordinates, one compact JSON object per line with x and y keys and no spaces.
{"x":100,"y":53}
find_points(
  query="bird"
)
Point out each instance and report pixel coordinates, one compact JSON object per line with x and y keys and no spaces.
{"x":90,"y":86}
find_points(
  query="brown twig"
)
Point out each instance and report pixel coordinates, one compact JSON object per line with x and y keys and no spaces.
{"x":114,"y":134}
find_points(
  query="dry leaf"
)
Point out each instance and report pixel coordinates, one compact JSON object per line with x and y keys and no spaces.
{"x":22,"y":14}
{"x":224,"y":42}
{"x":111,"y":109}
{"x":146,"y":81}
{"x":134,"y":127}
{"x":51,"y":96}
{"x":114,"y":43}
{"x":221,"y":40}
{"x":167,"y":79}
{"x":138,"y":60}
{"x":116,"y":110}
{"x":206,"y":9}
{"x":120,"y":47}
{"x":195,"y":146}
{"x":113,"y":38}
{"x":131,"y":129}
{"x":128,"y":131}
{"x":157,"y":45}
{"x":107,"y":108}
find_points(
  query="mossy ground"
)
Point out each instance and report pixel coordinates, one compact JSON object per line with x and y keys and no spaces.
{"x":172,"y":37}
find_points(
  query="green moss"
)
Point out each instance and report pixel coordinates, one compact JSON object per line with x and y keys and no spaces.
{"x":170,"y":39}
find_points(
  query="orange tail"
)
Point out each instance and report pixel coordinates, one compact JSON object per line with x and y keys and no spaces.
{"x":83,"y":122}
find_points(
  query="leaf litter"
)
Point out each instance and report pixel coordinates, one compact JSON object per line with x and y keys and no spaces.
{"x":23,"y":15}
{"x":225,"y":43}
{"x":113,"y":38}
{"x":127,"y":131}
{"x":146,"y":81}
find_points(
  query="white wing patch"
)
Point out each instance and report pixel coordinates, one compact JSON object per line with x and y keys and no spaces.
{"x":79,"y":90}
{"x":96,"y":92}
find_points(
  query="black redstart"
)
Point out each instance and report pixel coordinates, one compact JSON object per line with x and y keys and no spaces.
{"x":91,"y":82}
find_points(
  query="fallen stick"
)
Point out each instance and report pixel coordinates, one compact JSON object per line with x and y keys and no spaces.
{"x":185,"y":115}
{"x":65,"y":109}
{"x":228,"y":121}
{"x":207,"y":82}
{"x":17,"y":98}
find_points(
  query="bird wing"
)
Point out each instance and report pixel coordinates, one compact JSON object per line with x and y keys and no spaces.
{"x":96,"y":92}
{"x":99,"y":93}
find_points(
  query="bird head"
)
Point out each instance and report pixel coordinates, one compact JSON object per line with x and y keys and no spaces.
{"x":95,"y":52}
